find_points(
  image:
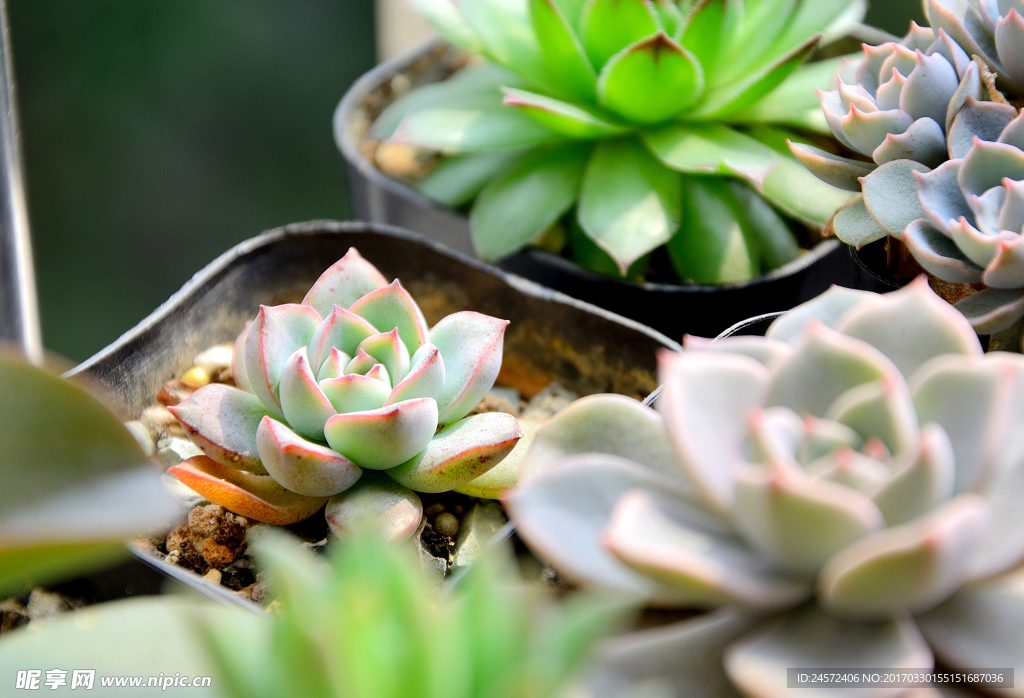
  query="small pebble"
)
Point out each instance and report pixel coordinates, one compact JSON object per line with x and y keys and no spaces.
{"x":400,"y":85}
{"x":143,"y":435}
{"x":215,"y":359}
{"x":196,"y":376}
{"x":44,"y":604}
{"x":174,"y":391}
{"x":174,"y":450}
{"x":213,"y":576}
{"x":446,"y":524}
{"x":434,"y":509}
{"x":157,"y":418}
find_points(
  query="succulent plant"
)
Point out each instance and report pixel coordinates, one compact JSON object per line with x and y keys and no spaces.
{"x":346,"y":381}
{"x":365,"y":625}
{"x":648,"y":123}
{"x":990,"y":29}
{"x":358,"y":622}
{"x":897,"y":102}
{"x":856,"y":473}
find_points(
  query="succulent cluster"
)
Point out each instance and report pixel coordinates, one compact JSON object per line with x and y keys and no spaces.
{"x":896,"y":103}
{"x":990,"y":29}
{"x":648,"y":123}
{"x":349,"y":380}
{"x":857,"y":466}
{"x":945,"y":149}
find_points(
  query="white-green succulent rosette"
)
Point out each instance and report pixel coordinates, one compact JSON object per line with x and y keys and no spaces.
{"x":659,"y":122}
{"x":844,"y":492}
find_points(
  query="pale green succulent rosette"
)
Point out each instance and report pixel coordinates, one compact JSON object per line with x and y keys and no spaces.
{"x":349,"y":380}
{"x":657,"y":122}
{"x":845,"y":491}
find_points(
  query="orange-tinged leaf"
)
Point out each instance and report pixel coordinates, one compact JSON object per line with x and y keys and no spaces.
{"x":255,"y":497}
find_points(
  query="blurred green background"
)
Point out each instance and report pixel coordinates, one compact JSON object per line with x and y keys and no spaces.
{"x":158,"y":134}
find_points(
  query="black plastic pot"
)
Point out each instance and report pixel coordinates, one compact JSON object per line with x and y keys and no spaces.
{"x":551,"y":336}
{"x":868,"y":268}
{"x":672,"y":309}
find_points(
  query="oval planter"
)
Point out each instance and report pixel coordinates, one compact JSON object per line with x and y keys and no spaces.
{"x":551,"y":336}
{"x":674,"y":309}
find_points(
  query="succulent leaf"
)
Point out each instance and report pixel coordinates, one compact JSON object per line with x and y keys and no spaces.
{"x":824,"y":365}
{"x":378,"y":501}
{"x":567,"y":62}
{"x":388,"y":349}
{"x":855,"y":226}
{"x":992,"y":310}
{"x":302,"y":466}
{"x":706,"y":568}
{"x":766,"y":352}
{"x":276,"y":333}
{"x":570,"y":120}
{"x":651,"y":81}
{"x":711,"y":149}
{"x":303,"y":403}
{"x":705,"y":402}
{"x":222,"y":421}
{"x":342,"y":330}
{"x":979,"y":623}
{"x":796,"y":522}
{"x":910,"y":567}
{"x":393,"y":307}
{"x":881,"y":410}
{"x":828,"y":309}
{"x":238,"y":372}
{"x":471,"y":345}
{"x":256,"y":497}
{"x":424,"y":379}
{"x":1003,"y":548}
{"x":383,"y":438}
{"x":562,"y":512}
{"x":459,"y":453}
{"x":500,"y":479}
{"x":471,"y":123}
{"x":355,"y":392}
{"x":809,"y":637}
{"x":629,"y":203}
{"x":457,"y":180}
{"x":446,"y":16}
{"x":935,"y":327}
{"x":344,"y":282}
{"x":974,"y":401}
{"x":717,"y":245}
{"x":334,"y":366}
{"x":838,"y":171}
{"x":609,"y":26}
{"x":939,"y":255}
{"x":610,"y":424}
{"x":526,"y":200}
{"x":890,"y":194}
{"x":977,"y":119}
{"x":921,"y":484}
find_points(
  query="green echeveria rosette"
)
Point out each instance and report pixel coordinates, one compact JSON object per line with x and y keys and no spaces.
{"x":615,"y":114}
{"x":348,"y":381}
{"x":845,"y":491}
